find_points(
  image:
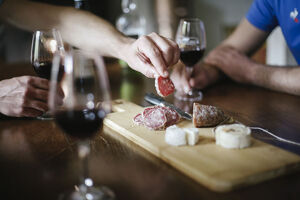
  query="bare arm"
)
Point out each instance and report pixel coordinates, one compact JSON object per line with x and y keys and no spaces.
{"x":231,"y":58}
{"x":151,"y":55}
{"x":166,"y":17}
{"x":246,"y":38}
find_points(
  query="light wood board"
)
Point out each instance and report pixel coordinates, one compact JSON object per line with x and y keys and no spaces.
{"x":217,"y":168}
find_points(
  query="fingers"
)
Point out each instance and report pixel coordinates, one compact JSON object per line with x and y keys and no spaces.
{"x":36,"y":82}
{"x":169,"y":49}
{"x":30,"y":112}
{"x":204,"y":75}
{"x":36,"y":105}
{"x":35,"y":93}
{"x":148,"y":48}
{"x":220,"y":56}
{"x":199,"y":81}
{"x":146,"y":67}
{"x":180,"y":78}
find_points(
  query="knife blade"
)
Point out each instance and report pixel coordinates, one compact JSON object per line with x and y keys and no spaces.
{"x":156,"y":100}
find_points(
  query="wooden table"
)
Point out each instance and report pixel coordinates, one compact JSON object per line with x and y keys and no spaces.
{"x":37,"y":161}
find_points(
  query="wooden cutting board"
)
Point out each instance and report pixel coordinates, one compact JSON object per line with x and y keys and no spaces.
{"x":217,"y":168}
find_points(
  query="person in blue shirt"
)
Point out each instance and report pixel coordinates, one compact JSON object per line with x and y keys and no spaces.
{"x":232,"y":55}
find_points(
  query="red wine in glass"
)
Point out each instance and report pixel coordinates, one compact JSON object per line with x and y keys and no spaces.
{"x":44,"y":45}
{"x":191,"y":40}
{"x":82,"y":124}
{"x":43,"y":69}
{"x":191,"y":57}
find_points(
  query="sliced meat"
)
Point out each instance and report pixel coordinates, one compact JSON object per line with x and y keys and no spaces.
{"x":164,"y":86}
{"x":148,"y":109}
{"x":155,"y":118}
{"x":172,"y":116}
{"x":205,"y":115}
{"x":138,"y":119}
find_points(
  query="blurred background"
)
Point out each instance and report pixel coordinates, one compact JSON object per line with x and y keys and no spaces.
{"x":219,"y":16}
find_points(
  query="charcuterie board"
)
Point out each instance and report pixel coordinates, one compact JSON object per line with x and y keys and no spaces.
{"x":216,"y":168}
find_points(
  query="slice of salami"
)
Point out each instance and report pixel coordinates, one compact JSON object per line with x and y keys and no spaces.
{"x":164,"y":86}
{"x":138,"y":119}
{"x":172,"y":116}
{"x":155,"y":118}
{"x":147,"y":110}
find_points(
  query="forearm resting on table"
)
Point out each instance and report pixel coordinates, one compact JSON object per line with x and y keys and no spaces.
{"x":283,"y":79}
{"x":79,"y":28}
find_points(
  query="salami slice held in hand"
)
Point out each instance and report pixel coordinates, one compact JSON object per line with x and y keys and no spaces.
{"x":164,"y":86}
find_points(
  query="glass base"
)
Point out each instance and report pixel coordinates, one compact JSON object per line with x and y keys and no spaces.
{"x":193,"y":95}
{"x":45,"y":116}
{"x":89,"y":193}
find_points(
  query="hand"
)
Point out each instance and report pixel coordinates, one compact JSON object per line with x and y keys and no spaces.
{"x":24,"y":96}
{"x":233,"y":63}
{"x":151,"y":55}
{"x":203,"y":76}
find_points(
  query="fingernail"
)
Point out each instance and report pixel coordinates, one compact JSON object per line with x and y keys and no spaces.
{"x":166,"y":74}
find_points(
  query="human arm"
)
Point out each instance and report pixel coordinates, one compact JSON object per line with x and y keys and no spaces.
{"x":166,"y":17}
{"x":150,"y":54}
{"x":231,"y":57}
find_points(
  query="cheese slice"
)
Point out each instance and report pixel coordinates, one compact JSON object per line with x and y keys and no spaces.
{"x":233,"y":136}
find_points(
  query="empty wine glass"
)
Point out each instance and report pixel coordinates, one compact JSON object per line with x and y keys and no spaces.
{"x":86,"y":100}
{"x":191,"y":40}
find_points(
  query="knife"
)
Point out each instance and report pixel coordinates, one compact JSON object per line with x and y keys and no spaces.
{"x":156,"y":100}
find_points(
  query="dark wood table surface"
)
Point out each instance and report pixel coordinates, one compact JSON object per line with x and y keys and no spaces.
{"x":37,"y":161}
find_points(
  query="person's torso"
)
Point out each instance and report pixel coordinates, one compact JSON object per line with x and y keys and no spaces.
{"x":288,"y":16}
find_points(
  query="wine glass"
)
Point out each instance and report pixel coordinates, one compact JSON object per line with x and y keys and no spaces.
{"x":191,"y":40}
{"x":86,"y":100}
{"x":44,"y":45}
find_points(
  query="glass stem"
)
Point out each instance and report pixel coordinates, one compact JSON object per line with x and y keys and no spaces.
{"x":83,"y":153}
{"x":189,"y":71}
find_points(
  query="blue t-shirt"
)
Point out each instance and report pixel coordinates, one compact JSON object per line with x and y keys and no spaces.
{"x":1,"y":1}
{"x":267,"y":14}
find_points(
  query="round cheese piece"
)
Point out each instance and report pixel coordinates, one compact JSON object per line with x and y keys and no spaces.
{"x":233,"y":136}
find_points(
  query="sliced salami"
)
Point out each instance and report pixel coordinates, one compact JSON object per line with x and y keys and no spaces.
{"x":138,"y":119}
{"x":172,"y":116}
{"x":155,"y":118}
{"x":164,"y":86}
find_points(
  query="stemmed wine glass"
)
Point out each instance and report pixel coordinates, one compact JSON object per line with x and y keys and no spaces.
{"x":86,"y":101}
{"x":44,"y":45}
{"x":191,"y":40}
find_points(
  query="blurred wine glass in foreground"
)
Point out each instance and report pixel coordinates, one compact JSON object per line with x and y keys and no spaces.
{"x":191,"y":40}
{"x":86,"y":102}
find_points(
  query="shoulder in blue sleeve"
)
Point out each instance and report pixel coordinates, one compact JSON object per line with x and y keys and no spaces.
{"x":262,"y":15}
{"x":1,"y":1}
